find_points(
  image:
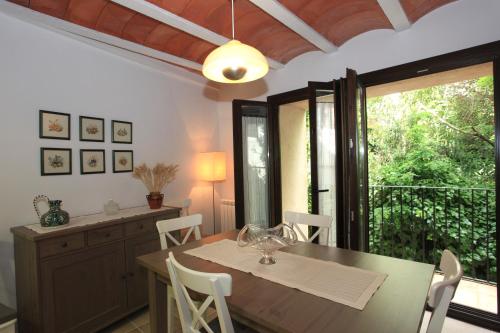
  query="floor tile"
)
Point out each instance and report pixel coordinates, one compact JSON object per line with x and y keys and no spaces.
{"x":140,"y":318}
{"x":123,"y":326}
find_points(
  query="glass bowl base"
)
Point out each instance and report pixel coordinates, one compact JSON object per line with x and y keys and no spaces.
{"x":267,"y":260}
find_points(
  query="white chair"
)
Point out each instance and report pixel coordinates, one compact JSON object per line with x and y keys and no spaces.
{"x":441,"y":293}
{"x":165,"y":227}
{"x":182,"y":204}
{"x":323,"y":222}
{"x":8,"y":327}
{"x":215,"y":285}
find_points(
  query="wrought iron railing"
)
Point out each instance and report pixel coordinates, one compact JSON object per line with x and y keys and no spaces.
{"x":418,"y":223}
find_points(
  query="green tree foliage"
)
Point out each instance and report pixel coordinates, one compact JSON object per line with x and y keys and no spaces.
{"x":439,"y":143}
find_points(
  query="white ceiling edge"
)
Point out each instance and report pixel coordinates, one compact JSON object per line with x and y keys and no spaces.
{"x":395,"y":13}
{"x":296,"y":24}
{"x":144,"y":56}
{"x":150,"y":10}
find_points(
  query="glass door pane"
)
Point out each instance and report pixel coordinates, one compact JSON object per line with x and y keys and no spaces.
{"x":326,"y":155}
{"x":251,"y":163}
{"x":295,"y":157}
{"x":255,"y":170}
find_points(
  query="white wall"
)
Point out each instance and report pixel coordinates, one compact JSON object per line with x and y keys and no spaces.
{"x":455,"y":26}
{"x":40,"y":69}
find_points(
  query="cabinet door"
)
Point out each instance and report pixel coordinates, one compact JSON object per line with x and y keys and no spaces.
{"x":84,"y":291}
{"x":137,"y":288}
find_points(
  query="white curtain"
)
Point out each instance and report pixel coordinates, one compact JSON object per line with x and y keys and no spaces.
{"x":255,"y":170}
{"x":326,"y":165}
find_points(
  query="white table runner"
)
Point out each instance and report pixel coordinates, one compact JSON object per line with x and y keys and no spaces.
{"x":80,"y":221}
{"x":347,"y":285}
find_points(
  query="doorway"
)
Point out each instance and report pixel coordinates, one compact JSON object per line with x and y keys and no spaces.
{"x":432,"y":177}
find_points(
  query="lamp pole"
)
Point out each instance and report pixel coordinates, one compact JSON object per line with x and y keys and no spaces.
{"x":213,"y":204}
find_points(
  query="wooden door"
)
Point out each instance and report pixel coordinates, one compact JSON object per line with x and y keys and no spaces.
{"x":137,"y":289}
{"x":85,"y":291}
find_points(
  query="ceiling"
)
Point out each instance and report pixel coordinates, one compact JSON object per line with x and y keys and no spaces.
{"x":280,"y":29}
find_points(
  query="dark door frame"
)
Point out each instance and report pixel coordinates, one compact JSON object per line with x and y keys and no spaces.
{"x":239,"y":195}
{"x":468,"y":57}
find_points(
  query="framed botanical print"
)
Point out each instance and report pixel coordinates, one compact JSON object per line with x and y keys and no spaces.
{"x":55,"y":125}
{"x":91,"y":129}
{"x":123,"y":161}
{"x":55,"y":161}
{"x":121,"y":131}
{"x":92,"y":161}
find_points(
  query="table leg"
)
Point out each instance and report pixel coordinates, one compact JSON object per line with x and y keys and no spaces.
{"x":157,"y":291}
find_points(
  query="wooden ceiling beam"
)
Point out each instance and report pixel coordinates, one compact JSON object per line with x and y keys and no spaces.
{"x":296,"y":24}
{"x":71,"y":29}
{"x":395,"y":13}
{"x":150,"y":10}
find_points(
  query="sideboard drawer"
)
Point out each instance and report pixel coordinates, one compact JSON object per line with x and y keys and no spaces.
{"x":60,"y":245}
{"x":140,"y":226}
{"x":104,"y":235}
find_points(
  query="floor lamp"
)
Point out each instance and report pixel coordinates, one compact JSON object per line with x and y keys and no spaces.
{"x":213,"y":169}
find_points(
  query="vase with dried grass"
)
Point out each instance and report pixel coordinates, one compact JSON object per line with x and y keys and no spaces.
{"x":155,"y":179}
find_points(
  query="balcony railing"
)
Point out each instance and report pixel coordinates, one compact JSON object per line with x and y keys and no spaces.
{"x":418,"y":223}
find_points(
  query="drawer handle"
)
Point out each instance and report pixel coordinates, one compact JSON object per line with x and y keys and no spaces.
{"x":107,"y":235}
{"x":65,"y":244}
{"x":124,"y":276}
{"x":131,"y":274}
{"x":141,"y":226}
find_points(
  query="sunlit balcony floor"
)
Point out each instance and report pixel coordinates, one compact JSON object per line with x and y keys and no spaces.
{"x":474,"y":294}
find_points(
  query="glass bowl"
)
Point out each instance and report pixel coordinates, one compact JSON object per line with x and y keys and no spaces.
{"x":267,"y":240}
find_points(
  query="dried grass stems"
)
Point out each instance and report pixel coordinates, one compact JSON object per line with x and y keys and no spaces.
{"x":157,"y":178}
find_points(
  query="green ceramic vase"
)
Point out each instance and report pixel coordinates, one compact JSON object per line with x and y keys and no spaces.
{"x":55,"y":216}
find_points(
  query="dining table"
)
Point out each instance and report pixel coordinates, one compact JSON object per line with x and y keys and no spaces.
{"x":397,"y":306}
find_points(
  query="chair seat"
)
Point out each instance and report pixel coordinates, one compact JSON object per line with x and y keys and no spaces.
{"x":238,"y":327}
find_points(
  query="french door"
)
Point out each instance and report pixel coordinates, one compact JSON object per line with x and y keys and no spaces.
{"x":252,"y":165}
{"x":304,"y":125}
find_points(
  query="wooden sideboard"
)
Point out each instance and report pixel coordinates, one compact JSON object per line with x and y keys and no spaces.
{"x":84,"y":278}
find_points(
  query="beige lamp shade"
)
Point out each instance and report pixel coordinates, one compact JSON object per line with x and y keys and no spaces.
{"x":212,"y":166}
{"x":235,"y":62}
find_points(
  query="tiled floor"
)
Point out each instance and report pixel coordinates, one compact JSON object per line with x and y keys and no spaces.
{"x":139,"y":323}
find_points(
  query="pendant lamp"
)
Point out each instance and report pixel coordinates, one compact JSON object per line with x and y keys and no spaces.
{"x":235,"y":62}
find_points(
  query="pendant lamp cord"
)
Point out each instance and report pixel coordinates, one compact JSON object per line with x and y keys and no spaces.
{"x":232,"y":15}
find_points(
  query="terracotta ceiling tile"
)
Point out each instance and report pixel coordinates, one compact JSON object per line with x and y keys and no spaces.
{"x":188,"y":47}
{"x":114,"y":19}
{"x":85,"y":12}
{"x":56,"y":8}
{"x":415,"y":9}
{"x":138,"y":28}
{"x":24,"y":3}
{"x":253,"y":26}
{"x":340,"y":20}
{"x":173,"y":41}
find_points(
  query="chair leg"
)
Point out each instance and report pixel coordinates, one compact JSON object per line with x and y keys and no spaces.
{"x":170,"y":308}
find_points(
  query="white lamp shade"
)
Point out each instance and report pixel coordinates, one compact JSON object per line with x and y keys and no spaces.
{"x":235,"y":62}
{"x":212,"y":166}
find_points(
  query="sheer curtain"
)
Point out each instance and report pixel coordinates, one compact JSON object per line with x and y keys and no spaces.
{"x":255,"y":170}
{"x":326,"y":164}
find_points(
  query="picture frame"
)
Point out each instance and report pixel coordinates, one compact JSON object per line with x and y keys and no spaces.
{"x":91,"y":129}
{"x":54,"y":125}
{"x":92,"y":161}
{"x":55,"y":161}
{"x":121,"y":131}
{"x":123,"y":161}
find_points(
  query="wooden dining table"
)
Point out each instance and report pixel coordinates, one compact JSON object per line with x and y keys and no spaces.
{"x":397,"y":306}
